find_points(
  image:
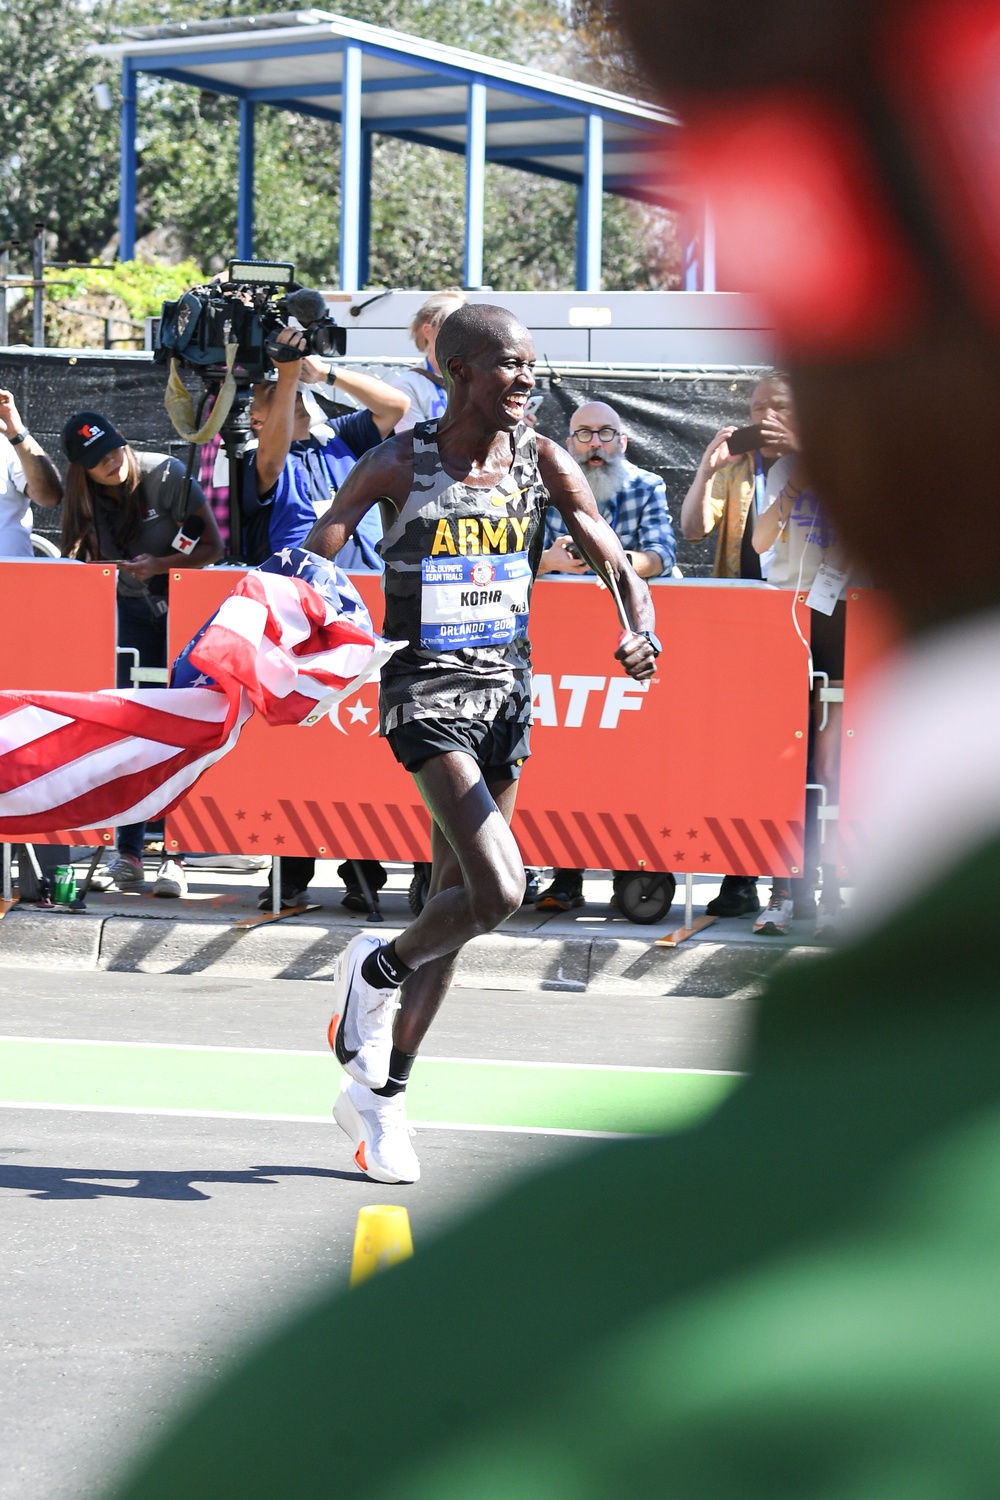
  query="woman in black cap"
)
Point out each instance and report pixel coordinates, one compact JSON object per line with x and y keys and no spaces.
{"x":137,"y":511}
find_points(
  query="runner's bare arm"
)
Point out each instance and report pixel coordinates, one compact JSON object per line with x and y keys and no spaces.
{"x":572,"y":497}
{"x":383,"y":473}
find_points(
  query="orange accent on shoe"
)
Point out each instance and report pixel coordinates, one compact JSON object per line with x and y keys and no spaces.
{"x":359,"y":1157}
{"x":331,"y":1033}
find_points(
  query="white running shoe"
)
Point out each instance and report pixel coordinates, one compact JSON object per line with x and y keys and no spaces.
{"x":776,"y":918}
{"x":170,"y":880}
{"x":360,"y":1032}
{"x":378,"y":1128}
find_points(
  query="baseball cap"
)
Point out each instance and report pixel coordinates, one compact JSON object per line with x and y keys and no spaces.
{"x":88,"y":436}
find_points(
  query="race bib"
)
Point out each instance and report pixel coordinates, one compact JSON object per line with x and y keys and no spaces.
{"x":473,"y":601}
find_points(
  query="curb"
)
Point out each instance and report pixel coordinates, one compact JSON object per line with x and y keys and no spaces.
{"x":298,"y":949}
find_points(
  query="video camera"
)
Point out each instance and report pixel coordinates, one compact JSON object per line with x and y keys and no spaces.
{"x":258,"y":299}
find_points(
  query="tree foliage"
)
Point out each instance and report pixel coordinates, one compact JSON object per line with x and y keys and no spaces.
{"x":59,"y":154}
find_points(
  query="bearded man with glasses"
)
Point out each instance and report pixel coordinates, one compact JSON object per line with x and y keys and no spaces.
{"x":634,"y":504}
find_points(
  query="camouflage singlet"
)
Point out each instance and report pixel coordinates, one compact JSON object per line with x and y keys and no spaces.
{"x":459,"y":564}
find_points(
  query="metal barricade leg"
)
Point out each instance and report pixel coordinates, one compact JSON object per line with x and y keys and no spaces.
{"x":276,"y":884}
{"x":374,"y":915}
{"x":8,"y":882}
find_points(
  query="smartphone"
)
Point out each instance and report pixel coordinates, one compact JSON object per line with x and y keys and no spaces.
{"x":745,"y":439}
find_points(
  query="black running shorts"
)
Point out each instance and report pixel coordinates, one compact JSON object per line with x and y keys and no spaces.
{"x":499,"y":746}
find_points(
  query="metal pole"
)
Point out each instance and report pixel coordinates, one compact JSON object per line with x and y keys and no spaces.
{"x":590,"y":204}
{"x":127,"y":170}
{"x":350,"y":169}
{"x":8,"y":884}
{"x":244,"y":209}
{"x":688,"y":900}
{"x":4,"y":273}
{"x":475,"y":184}
{"x":276,"y":884}
{"x":38,"y":301}
{"x":365,"y":229}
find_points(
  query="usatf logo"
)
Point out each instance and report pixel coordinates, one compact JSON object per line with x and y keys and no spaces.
{"x":483,"y":573}
{"x":610,"y":696}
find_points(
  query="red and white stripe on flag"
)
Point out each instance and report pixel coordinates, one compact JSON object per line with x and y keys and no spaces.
{"x":290,"y":648}
{"x":80,"y":760}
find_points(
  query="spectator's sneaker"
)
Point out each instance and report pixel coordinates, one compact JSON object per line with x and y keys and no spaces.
{"x":354,"y":898}
{"x":126,"y":871}
{"x":559,"y":896}
{"x":170,"y":880}
{"x":532,"y":886}
{"x":776,"y":918}
{"x":239,"y":864}
{"x":288,"y":898}
{"x":360,"y":1031}
{"x":378,"y":1128}
{"x":737,"y":898}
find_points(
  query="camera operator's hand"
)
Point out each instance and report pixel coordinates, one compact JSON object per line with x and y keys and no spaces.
{"x":145,"y":566}
{"x":313,"y":371}
{"x":291,"y":366}
{"x":562,"y":557}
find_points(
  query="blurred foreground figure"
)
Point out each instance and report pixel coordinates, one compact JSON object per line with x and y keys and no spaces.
{"x":802,"y":1297}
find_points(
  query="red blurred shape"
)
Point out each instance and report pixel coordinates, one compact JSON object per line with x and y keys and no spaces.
{"x":799,"y":222}
{"x":944,"y":64}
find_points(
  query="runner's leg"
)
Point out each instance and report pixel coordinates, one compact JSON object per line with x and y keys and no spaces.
{"x":476,"y":826}
{"x":422,"y":993}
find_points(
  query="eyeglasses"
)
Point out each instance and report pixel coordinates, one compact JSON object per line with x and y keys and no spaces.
{"x":587,"y":434}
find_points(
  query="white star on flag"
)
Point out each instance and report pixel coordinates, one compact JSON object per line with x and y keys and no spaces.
{"x":359,"y":711}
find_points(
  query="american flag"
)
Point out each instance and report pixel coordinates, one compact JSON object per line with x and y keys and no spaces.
{"x":291,"y":640}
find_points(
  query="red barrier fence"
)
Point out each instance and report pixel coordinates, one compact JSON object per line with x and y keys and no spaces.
{"x":703,"y":770}
{"x":58,"y":619}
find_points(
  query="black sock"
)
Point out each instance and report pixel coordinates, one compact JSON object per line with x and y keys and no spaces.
{"x":383,"y":969}
{"x":400,"y":1064}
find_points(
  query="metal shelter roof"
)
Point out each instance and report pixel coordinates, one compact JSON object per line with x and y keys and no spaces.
{"x":373,"y":80}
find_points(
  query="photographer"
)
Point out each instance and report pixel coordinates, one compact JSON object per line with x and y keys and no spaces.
{"x":131,"y":509}
{"x":290,"y":478}
{"x":295,"y":471}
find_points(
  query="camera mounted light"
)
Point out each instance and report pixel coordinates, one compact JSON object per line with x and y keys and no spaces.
{"x":262,"y":272}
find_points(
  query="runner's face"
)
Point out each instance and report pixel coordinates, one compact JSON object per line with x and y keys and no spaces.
{"x":502,"y":379}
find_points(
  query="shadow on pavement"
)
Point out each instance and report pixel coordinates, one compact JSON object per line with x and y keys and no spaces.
{"x":49,"y":1183}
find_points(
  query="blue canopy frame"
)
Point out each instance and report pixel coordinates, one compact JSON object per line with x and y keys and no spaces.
{"x":371,"y":81}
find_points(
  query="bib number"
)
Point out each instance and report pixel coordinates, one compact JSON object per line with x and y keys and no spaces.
{"x":473,"y":601}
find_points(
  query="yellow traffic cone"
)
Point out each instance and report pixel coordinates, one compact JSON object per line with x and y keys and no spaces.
{"x":382,"y":1238}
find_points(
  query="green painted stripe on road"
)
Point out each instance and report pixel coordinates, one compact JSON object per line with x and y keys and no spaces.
{"x":242,"y":1081}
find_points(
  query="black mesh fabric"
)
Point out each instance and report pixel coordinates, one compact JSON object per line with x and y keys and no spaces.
{"x":669,"y":420}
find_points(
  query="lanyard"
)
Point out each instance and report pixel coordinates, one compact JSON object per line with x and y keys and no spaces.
{"x":759,"y":483}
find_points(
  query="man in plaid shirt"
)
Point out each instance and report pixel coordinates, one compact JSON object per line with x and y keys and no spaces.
{"x":631,"y":500}
{"x":634,"y":504}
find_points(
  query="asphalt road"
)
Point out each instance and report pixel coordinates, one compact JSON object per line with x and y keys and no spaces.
{"x":145,"y":1240}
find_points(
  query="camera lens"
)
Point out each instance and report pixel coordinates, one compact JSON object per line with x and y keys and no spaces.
{"x":323,"y":341}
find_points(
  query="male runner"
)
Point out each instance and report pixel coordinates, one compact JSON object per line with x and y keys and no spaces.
{"x":462,"y":500}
